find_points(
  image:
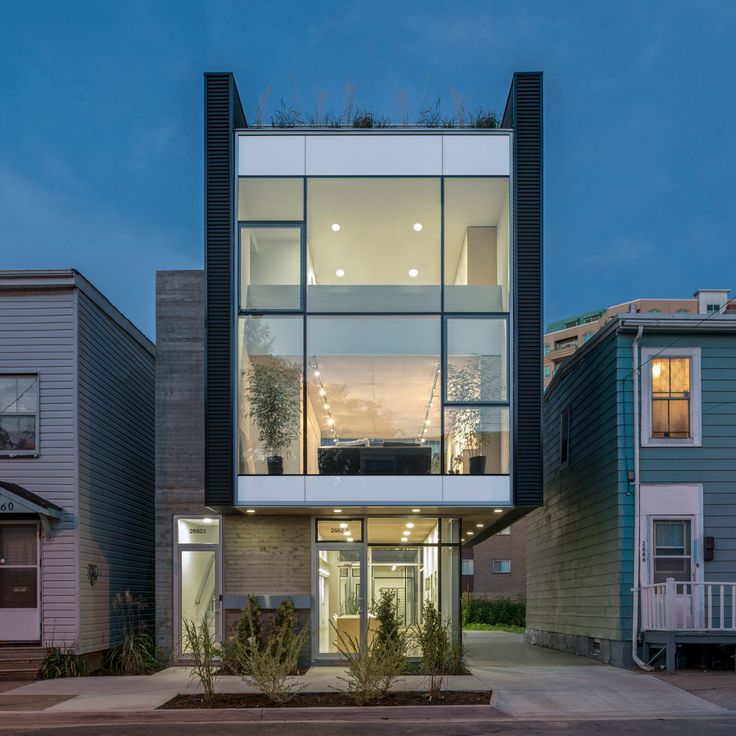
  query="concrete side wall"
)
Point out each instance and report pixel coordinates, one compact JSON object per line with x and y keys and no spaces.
{"x":179,"y":425}
{"x":611,"y":651}
{"x":266,"y":555}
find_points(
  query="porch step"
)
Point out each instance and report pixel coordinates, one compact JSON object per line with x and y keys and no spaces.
{"x":20,"y":662}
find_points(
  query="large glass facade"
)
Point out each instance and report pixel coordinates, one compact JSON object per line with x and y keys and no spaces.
{"x":380,"y":369}
{"x":414,"y":559}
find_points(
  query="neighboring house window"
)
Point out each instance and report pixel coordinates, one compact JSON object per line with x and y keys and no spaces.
{"x":710,"y":308}
{"x":587,"y":336}
{"x":566,"y":342}
{"x":467,"y":567}
{"x":671,"y":392}
{"x":502,"y":566}
{"x":546,"y":348}
{"x":18,"y":414}
{"x":565,"y":437}
{"x":672,"y":550}
{"x":507,"y":530}
{"x":547,"y":371}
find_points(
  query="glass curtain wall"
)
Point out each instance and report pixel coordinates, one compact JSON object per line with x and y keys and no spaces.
{"x":388,"y":353}
{"x":410,"y":559}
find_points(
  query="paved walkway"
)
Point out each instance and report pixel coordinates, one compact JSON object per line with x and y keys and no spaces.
{"x":527,"y":682}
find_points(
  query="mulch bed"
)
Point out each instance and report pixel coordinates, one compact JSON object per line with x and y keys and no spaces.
{"x":324,"y":700}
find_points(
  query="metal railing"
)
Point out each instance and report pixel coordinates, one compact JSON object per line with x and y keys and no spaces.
{"x":688,"y":606}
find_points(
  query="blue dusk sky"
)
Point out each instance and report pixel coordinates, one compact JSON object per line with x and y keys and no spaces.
{"x":101,"y":124}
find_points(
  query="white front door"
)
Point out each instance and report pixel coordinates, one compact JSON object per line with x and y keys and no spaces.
{"x":671,"y":538}
{"x":20,"y":614}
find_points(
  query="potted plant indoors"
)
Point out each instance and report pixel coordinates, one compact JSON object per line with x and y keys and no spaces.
{"x":273,"y":389}
{"x":465,"y":425}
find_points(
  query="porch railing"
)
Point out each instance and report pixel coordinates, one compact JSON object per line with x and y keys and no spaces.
{"x":688,"y":606}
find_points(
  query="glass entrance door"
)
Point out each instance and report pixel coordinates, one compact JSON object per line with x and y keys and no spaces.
{"x":340,"y":597}
{"x":20,"y":616}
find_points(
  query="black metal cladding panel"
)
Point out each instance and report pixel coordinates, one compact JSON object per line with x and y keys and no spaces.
{"x":525,"y":110}
{"x":218,"y":123}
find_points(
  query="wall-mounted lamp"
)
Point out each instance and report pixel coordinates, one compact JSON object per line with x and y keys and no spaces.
{"x":93,"y":572}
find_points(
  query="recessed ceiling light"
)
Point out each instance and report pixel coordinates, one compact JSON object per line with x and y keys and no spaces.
{"x":497,"y":511}
{"x":407,"y":532}
{"x":404,"y":539}
{"x":426,"y":422}
{"x":346,"y":532}
{"x":330,"y":421}
{"x":250,"y":511}
{"x":339,"y":273}
{"x":417,"y":227}
{"x":326,"y":407}
{"x":470,"y":534}
{"x":409,"y":524}
{"x":207,"y":520}
{"x":343,"y":525}
{"x":413,"y":273}
{"x":316,"y":374}
{"x":480,"y":526}
{"x":416,"y":511}
{"x":349,"y":539}
{"x":322,"y":392}
{"x":335,"y":227}
{"x":336,"y":511}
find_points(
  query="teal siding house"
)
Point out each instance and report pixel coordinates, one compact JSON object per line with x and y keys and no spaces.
{"x":633,"y":558}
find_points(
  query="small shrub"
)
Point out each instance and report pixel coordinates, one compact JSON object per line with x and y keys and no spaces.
{"x":271,"y":668}
{"x":200,"y":644}
{"x":248,"y":634}
{"x":442,"y":653}
{"x":363,"y":119}
{"x":483,"y":118}
{"x":135,"y":655}
{"x":503,"y":611}
{"x":286,"y":117}
{"x":60,"y":662}
{"x":391,"y":636}
{"x":371,"y":668}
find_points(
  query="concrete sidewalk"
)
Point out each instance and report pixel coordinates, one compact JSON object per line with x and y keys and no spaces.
{"x":527,"y":682}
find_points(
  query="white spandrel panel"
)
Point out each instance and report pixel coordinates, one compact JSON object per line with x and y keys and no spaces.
{"x":373,"y":490}
{"x":374,"y":155}
{"x":476,"y":155}
{"x":271,"y":155}
{"x":271,"y":490}
{"x":484,"y":490}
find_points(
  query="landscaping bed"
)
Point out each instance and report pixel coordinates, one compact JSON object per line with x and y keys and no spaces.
{"x":325,"y":700}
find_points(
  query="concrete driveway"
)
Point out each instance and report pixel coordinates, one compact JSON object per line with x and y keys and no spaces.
{"x":532,"y":682}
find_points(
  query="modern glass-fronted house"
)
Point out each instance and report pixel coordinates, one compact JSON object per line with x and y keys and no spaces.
{"x":372,"y":361}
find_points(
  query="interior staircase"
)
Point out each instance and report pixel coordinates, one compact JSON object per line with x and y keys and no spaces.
{"x":20,"y":661}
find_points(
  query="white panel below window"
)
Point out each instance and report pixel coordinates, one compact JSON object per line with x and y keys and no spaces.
{"x":271,"y":155}
{"x":266,"y":490}
{"x":373,"y":489}
{"x":374,"y":155}
{"x":485,"y":490}
{"x":476,"y":155}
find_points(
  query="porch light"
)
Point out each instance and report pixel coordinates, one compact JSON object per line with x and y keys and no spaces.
{"x":339,"y":273}
{"x":335,"y":227}
{"x":418,"y":227}
{"x":413,"y":273}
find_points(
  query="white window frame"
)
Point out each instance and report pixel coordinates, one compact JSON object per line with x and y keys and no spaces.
{"x":500,"y":572}
{"x":35,"y":451}
{"x":696,"y":405}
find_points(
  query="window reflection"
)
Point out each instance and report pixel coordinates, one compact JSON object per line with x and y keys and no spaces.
{"x":477,"y":440}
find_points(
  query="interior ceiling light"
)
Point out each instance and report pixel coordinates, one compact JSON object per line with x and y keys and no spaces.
{"x":207,"y":520}
{"x":316,"y":374}
{"x":409,"y":524}
{"x":349,"y":539}
{"x":343,"y":525}
{"x":404,"y":539}
{"x":416,"y":511}
{"x":322,"y":392}
{"x":417,"y":226}
{"x":326,"y":407}
{"x":407,"y":532}
{"x":413,"y":273}
{"x":339,"y":273}
{"x":330,"y":421}
{"x":336,"y":511}
{"x":346,"y":532}
{"x":335,"y":227}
